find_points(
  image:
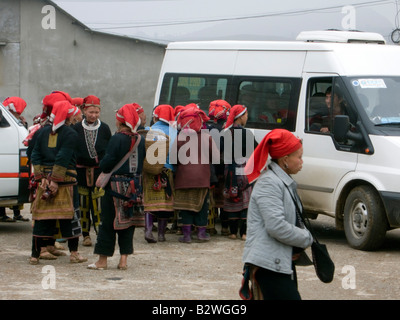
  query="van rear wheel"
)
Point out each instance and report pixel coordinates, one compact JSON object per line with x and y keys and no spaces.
{"x":365,"y":221}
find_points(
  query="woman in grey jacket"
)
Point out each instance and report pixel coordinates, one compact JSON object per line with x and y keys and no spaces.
{"x":275,"y":234}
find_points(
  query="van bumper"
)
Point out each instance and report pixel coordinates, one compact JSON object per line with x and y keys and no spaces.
{"x":391,"y":201}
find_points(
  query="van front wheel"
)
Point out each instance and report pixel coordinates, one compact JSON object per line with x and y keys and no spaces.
{"x":365,"y":221}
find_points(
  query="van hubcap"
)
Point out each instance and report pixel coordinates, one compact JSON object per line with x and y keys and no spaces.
{"x":359,"y":218}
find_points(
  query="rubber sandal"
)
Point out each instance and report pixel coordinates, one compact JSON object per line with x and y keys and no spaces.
{"x":33,"y":261}
{"x":59,"y":246}
{"x":87,"y":242}
{"x":94,"y":267}
{"x":55,"y":252}
{"x":47,"y":256}
{"x":77,"y":258}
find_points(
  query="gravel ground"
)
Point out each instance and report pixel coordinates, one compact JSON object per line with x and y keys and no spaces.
{"x":198,"y":271}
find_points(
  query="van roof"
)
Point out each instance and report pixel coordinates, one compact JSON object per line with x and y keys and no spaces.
{"x":341,"y":36}
{"x":306,"y":40}
{"x":258,"y":45}
{"x":343,"y":58}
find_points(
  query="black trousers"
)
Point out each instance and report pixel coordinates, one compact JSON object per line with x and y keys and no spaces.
{"x":40,"y":242}
{"x":106,"y":239}
{"x":277,"y":286}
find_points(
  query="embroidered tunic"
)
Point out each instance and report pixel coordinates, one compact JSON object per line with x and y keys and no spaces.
{"x":126,"y":178}
{"x":53,"y":157}
{"x":92,"y":144}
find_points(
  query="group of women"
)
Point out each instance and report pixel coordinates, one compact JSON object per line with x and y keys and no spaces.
{"x":195,"y":176}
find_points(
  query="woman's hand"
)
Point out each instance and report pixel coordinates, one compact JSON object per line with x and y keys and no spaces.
{"x":44,"y":183}
{"x":53,"y":187}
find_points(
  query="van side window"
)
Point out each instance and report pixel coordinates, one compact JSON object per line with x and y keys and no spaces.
{"x":182,"y":89}
{"x":326,"y":99}
{"x":271,"y":102}
{"x":267,"y":102}
{"x":317,"y":110}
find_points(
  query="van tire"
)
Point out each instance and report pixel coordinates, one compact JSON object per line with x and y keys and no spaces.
{"x":365,"y":222}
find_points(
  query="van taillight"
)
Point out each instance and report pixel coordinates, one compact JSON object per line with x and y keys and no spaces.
{"x":23,"y":161}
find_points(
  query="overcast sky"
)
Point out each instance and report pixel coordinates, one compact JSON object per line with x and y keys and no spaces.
{"x":174,"y":20}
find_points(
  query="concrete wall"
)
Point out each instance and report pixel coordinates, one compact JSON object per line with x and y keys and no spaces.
{"x":71,"y":59}
{"x":9,"y":53}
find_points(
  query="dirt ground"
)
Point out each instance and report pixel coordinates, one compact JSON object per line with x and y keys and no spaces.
{"x":196,"y":271}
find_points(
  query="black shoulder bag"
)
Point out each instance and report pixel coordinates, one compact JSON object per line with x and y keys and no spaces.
{"x":323,"y":264}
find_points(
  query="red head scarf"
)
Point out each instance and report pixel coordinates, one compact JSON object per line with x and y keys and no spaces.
{"x":62,"y":110}
{"x":49,"y":100}
{"x":15,"y":104}
{"x":178,"y":110}
{"x":164,"y":112}
{"x":220,"y":109}
{"x":138,"y":108}
{"x":77,"y":101}
{"x":76,"y":111}
{"x":91,"y":101}
{"x":235,"y":112}
{"x":211,"y":110}
{"x":278,"y":143}
{"x":192,"y":118}
{"x":128,"y":116}
{"x":192,"y":105}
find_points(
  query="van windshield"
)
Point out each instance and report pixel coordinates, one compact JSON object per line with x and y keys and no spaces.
{"x":379,"y":97}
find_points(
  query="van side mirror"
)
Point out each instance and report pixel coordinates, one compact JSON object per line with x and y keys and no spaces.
{"x":341,"y":127}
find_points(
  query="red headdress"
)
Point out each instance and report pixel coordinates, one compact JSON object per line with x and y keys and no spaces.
{"x":138,"y":108}
{"x":49,"y":101}
{"x":192,"y":118}
{"x":178,"y":110}
{"x":278,"y":143}
{"x":220,"y":109}
{"x":128,"y":116}
{"x":91,"y":101}
{"x":192,"y":105}
{"x":76,"y":111}
{"x":77,"y":101}
{"x":32,"y":130}
{"x":164,"y":112}
{"x":211,"y":110}
{"x":15,"y":104}
{"x":62,"y":110}
{"x":235,"y":112}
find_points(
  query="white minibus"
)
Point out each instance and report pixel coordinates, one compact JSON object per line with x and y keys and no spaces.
{"x":338,"y":91}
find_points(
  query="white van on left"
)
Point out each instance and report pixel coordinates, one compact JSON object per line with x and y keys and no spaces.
{"x":14,"y":167}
